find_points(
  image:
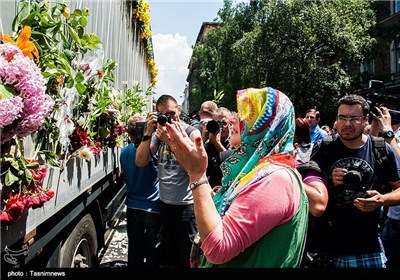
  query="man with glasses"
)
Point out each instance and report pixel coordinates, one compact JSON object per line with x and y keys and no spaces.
{"x":316,"y":132}
{"x":356,"y":188}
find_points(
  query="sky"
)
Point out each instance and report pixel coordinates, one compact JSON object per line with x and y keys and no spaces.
{"x":175,"y":25}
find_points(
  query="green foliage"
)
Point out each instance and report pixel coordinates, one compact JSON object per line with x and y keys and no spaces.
{"x":133,"y":101}
{"x":218,"y":96}
{"x":78,"y":80}
{"x":302,"y":48}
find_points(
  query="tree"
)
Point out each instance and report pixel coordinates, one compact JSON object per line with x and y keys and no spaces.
{"x":302,"y":48}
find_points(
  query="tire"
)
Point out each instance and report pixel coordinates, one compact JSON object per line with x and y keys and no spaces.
{"x":80,"y":248}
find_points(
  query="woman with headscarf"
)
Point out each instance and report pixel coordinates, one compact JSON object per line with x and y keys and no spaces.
{"x":258,"y":218}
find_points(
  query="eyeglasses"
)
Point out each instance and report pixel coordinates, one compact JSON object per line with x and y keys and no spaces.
{"x":353,"y":119}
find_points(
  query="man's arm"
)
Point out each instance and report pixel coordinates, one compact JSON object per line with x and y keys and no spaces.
{"x":146,"y":149}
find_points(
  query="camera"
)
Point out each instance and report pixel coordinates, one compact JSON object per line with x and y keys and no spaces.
{"x":352,"y":179}
{"x":355,"y":185}
{"x":213,"y":126}
{"x":163,"y":118}
{"x":139,"y":132}
{"x":377,"y":97}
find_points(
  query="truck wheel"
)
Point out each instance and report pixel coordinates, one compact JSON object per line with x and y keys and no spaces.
{"x":80,"y":248}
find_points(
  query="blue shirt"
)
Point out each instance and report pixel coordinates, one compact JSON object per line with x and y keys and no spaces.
{"x":141,"y":182}
{"x":317,"y":133}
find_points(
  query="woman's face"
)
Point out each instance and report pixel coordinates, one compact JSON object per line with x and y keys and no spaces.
{"x":235,"y":130}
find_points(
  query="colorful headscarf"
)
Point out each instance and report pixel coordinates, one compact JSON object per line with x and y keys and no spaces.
{"x":267,"y":128}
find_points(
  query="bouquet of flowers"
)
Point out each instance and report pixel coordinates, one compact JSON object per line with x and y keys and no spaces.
{"x":23,"y":191}
{"x":24,"y":105}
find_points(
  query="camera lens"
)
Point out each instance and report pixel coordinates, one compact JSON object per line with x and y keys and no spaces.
{"x":352,"y":179}
{"x":162,"y":119}
{"x":213,"y":126}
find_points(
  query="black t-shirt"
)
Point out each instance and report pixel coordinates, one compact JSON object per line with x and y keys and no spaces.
{"x":354,"y":231}
{"x":214,"y":172}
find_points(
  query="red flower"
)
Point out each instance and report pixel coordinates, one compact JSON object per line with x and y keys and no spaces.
{"x":50,"y":193}
{"x":4,"y":217}
{"x":15,"y":210}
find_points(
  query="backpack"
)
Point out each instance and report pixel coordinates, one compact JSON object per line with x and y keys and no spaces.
{"x":321,"y":226}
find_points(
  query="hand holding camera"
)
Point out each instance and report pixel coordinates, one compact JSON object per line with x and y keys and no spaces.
{"x":214,"y":126}
{"x":352,"y":183}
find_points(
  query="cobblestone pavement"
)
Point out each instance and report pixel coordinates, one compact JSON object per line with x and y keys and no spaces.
{"x":116,"y":254}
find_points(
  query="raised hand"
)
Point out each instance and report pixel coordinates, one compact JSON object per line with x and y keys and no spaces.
{"x":192,"y":157}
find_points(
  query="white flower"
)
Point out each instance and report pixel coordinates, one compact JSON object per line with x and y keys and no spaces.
{"x":81,"y":121}
{"x":85,"y":153}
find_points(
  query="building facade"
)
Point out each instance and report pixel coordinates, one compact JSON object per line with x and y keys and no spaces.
{"x":384,"y":63}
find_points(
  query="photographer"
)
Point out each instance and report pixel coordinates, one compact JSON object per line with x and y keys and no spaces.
{"x":218,"y":131}
{"x":142,"y":202}
{"x":176,"y":199}
{"x":206,"y":112}
{"x":356,"y":188}
{"x":390,"y":221}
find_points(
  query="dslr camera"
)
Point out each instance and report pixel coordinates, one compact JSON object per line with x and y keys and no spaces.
{"x":163,"y":118}
{"x":214,"y":126}
{"x":376,"y":97}
{"x":355,"y":182}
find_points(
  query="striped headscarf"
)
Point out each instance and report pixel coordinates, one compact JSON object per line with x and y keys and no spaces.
{"x":267,"y":129}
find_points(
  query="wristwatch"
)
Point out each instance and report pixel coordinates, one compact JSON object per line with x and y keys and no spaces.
{"x":388,"y":134}
{"x":145,"y":138}
{"x":194,"y":185}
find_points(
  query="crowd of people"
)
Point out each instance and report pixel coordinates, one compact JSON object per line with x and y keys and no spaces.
{"x":262,"y":187}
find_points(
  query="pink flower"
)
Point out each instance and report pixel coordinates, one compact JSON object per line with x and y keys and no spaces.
{"x":10,"y":109}
{"x":27,"y":110}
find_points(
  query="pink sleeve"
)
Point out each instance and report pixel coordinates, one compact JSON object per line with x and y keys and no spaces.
{"x":257,"y":209}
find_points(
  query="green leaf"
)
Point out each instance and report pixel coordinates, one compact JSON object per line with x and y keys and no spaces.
{"x":33,"y":165}
{"x":50,"y":158}
{"x":6,"y":92}
{"x":74,"y":36}
{"x":80,"y":88}
{"x":28,"y":175}
{"x":15,"y":164}
{"x":70,"y":82}
{"x":10,"y":178}
{"x":77,"y":12}
{"x":79,"y":77}
{"x":70,"y":54}
{"x":83,"y":21}
{"x":53,"y":73}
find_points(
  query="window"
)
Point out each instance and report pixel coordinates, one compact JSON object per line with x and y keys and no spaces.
{"x":368,"y":67}
{"x":367,"y":70}
{"x":397,"y":55}
{"x":396,"y":6}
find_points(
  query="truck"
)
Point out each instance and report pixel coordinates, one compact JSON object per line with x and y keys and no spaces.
{"x":71,"y":229}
